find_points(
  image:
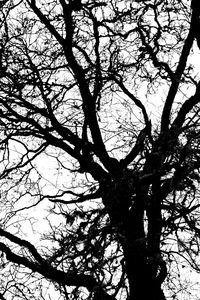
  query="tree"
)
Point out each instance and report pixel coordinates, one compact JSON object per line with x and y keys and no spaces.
{"x":100,"y":152}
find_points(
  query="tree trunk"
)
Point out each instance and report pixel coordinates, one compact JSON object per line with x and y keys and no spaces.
{"x":141,"y":284}
{"x":127,"y":215}
{"x":145,"y":275}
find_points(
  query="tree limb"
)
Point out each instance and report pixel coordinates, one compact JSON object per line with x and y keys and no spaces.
{"x":137,"y":102}
{"x":58,"y":276}
{"x":186,"y":108}
{"x":165,"y":119}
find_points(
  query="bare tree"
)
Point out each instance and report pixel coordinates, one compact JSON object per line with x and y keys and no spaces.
{"x":100,"y":154}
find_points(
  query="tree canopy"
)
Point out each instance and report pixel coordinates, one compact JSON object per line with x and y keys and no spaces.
{"x":99,"y":149}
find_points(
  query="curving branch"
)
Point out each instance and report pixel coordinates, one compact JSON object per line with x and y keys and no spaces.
{"x":186,"y":108}
{"x":51,"y":273}
{"x":80,"y":197}
{"x":136,"y":101}
{"x":45,"y":21}
{"x":138,"y":147}
{"x":23,"y":243}
{"x":165,"y":119}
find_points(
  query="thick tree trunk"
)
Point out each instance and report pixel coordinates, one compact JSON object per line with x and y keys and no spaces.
{"x":144,"y":278}
{"x":127,"y":215}
{"x":141,"y":284}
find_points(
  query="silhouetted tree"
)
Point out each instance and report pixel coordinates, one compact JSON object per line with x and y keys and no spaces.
{"x":100,"y":149}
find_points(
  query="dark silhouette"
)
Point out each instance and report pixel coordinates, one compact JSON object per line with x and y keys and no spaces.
{"x":99,"y":149}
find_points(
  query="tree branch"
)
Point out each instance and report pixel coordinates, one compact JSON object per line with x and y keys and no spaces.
{"x":80,"y":199}
{"x":165,"y":119}
{"x":137,"y":102}
{"x":139,"y":146}
{"x":22,"y":243}
{"x":58,"y":276}
{"x":45,"y":21}
{"x":187,"y":107}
